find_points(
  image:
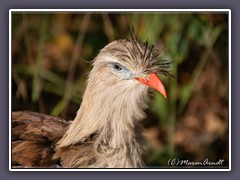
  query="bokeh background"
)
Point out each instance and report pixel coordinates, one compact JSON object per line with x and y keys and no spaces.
{"x":51,"y":55}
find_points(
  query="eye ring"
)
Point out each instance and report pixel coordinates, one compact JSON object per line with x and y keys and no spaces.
{"x":117,"y":67}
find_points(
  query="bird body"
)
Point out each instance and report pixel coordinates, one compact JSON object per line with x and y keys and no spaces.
{"x":106,"y":132}
{"x":34,"y":136}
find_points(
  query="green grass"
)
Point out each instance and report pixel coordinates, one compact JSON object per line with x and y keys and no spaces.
{"x":176,"y":34}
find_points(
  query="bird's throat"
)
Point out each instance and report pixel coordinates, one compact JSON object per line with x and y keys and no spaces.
{"x":114,"y":120}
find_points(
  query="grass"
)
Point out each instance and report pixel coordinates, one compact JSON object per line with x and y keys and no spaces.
{"x":36,"y":90}
{"x":175,"y":34}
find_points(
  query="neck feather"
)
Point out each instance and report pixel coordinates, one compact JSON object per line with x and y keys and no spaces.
{"x":113,"y":115}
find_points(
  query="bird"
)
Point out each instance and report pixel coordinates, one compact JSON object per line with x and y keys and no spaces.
{"x":107,"y":129}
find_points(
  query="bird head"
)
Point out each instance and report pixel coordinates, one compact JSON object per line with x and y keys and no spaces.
{"x":129,"y":63}
{"x":116,"y":94}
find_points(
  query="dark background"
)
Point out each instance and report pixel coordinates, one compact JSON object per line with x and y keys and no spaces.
{"x":150,"y":4}
{"x":51,"y":54}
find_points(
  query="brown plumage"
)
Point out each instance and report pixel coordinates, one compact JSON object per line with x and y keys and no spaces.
{"x":106,"y":132}
{"x":34,"y":136}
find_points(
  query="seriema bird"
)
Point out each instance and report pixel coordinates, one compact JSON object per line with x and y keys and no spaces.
{"x":106,"y":132}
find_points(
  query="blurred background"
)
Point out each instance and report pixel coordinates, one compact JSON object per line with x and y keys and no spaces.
{"x":51,"y":54}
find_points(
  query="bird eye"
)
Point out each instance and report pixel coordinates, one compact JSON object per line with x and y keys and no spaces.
{"x":117,"y":66}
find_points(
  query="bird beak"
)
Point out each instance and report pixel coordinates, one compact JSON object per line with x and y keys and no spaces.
{"x":153,"y":81}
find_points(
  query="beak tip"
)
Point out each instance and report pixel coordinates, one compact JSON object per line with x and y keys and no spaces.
{"x":165,"y":96}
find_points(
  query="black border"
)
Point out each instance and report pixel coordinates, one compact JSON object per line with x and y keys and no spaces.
{"x":5,"y":6}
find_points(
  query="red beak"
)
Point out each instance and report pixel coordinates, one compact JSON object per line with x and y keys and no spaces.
{"x":154,"y":82}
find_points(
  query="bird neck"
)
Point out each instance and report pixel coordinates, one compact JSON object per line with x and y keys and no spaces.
{"x":113,"y":118}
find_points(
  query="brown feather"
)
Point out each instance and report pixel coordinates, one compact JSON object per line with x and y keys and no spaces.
{"x":34,"y":136}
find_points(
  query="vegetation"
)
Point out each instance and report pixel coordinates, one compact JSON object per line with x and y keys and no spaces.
{"x":51,"y":58}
